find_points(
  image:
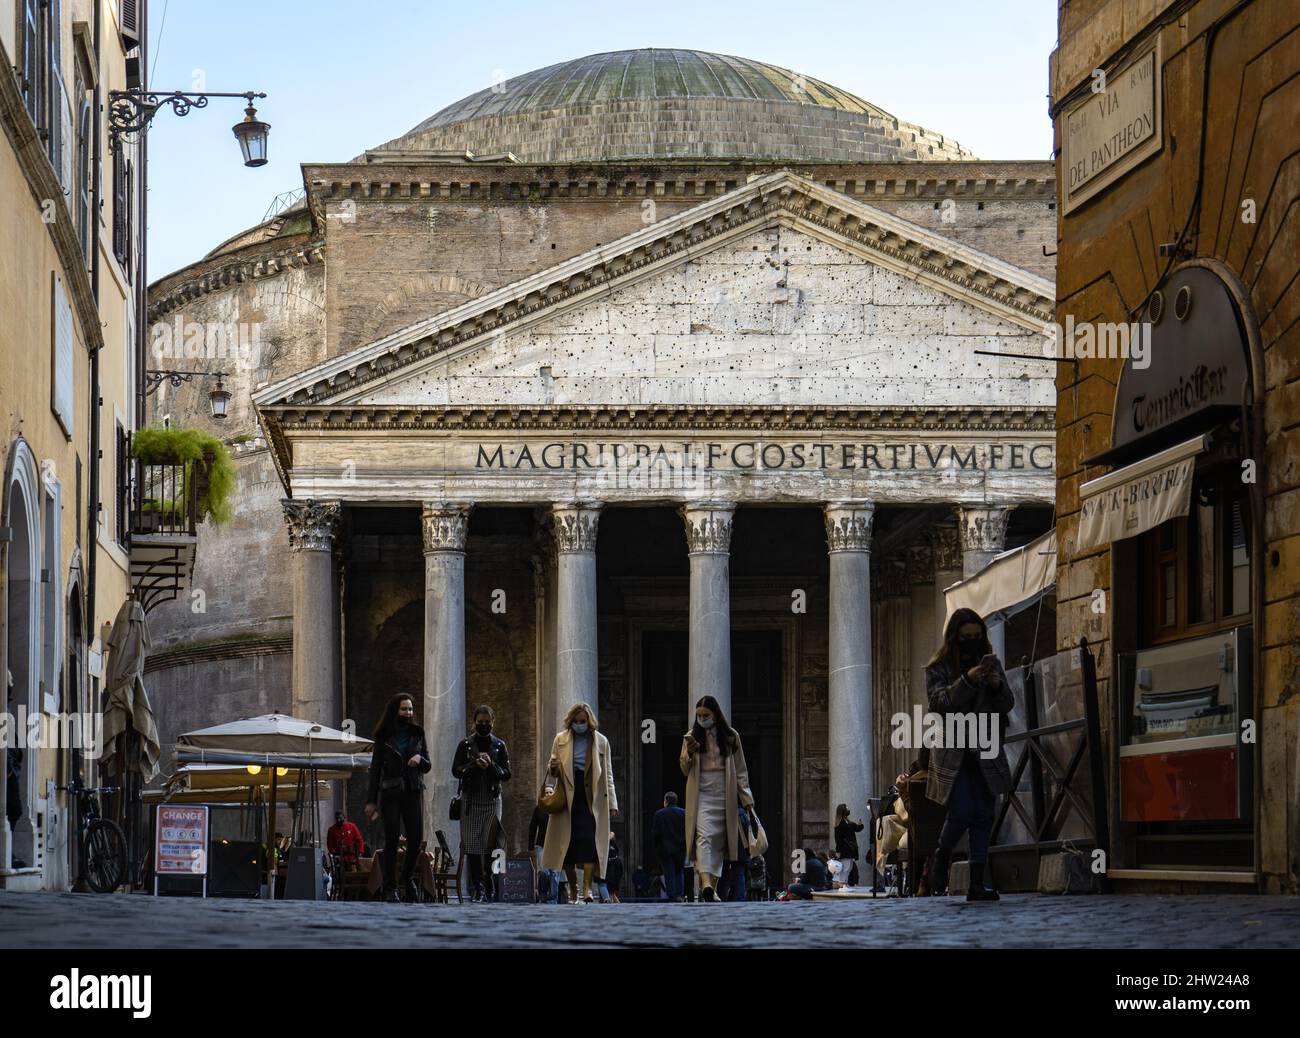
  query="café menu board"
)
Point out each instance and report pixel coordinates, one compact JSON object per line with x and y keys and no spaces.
{"x":181,"y":843}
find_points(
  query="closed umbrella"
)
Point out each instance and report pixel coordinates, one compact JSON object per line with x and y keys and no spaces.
{"x":126,"y":709}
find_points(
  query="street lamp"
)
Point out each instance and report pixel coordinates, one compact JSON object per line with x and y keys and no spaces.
{"x":252,"y":137}
{"x":218,"y":398}
{"x":131,"y":111}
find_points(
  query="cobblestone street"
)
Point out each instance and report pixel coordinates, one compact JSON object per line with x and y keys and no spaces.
{"x":1018,"y":921}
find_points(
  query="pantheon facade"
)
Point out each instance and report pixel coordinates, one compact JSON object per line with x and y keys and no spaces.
{"x":643,"y":376}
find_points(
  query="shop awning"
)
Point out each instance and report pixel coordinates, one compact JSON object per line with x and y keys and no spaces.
{"x":1138,"y":497}
{"x":1010,"y":582}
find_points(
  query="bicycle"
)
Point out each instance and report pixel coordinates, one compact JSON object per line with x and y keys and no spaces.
{"x":101,"y":841}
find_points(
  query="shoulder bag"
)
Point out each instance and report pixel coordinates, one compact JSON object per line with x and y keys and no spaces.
{"x":453,"y":810}
{"x":552,"y":799}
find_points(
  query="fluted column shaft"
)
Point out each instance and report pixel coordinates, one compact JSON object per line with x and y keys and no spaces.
{"x":983,"y":535}
{"x":445,"y":529}
{"x":708,"y":542}
{"x":317,"y":686}
{"x":575,"y":527}
{"x":851,"y":749}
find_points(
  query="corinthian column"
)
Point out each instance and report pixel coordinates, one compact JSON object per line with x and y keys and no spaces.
{"x":574,"y":527}
{"x":445,"y":528}
{"x":983,"y":535}
{"x":708,"y":543}
{"x":317,"y":687}
{"x":852,"y":753}
{"x":947,"y":571}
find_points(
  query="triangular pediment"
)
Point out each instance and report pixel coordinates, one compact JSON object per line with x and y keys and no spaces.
{"x":704,"y":293}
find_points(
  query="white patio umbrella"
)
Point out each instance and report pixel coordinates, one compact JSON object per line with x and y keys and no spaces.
{"x":285,"y":740}
{"x":274,"y":733}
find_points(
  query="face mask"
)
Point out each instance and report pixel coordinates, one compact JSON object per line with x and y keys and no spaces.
{"x":579,"y":729}
{"x":483,"y":729}
{"x":403,"y":721}
{"x":970,"y":648}
{"x":705,"y":722}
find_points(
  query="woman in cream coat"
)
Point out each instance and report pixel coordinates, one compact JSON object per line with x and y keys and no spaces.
{"x":579,"y":835}
{"x":717,"y":783}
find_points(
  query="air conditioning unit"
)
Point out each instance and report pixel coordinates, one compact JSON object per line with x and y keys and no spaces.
{"x":129,"y":13}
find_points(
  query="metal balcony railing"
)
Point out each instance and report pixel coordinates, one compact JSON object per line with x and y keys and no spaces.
{"x":166,"y":498}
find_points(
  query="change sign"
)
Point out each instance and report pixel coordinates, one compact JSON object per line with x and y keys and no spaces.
{"x":181,"y":843}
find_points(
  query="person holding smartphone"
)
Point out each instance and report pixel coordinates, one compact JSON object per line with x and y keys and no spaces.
{"x":965,"y":677}
{"x":481,"y":763}
{"x":717,"y":786}
{"x":399,"y":761}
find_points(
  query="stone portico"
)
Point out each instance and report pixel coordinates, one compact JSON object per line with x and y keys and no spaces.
{"x":779,"y":353}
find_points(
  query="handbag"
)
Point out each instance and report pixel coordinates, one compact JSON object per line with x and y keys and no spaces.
{"x":453,"y":810}
{"x":552,"y":799}
{"x":758,"y":837}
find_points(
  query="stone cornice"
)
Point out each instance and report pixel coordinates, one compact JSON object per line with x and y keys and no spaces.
{"x":29,"y":153}
{"x":908,"y":249}
{"x":474,"y":181}
{"x":650,"y":418}
{"x":201,"y":280}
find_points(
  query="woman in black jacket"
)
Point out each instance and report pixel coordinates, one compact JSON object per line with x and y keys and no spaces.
{"x":398,"y":763}
{"x":846,"y":841}
{"x":965,"y":677}
{"x":481,"y":764}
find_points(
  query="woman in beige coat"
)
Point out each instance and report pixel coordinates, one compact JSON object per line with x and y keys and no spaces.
{"x":717,"y":783}
{"x":579,"y":835}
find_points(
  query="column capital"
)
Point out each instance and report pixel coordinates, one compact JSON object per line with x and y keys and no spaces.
{"x":313,"y":525}
{"x":848,"y":525}
{"x":920,"y":563}
{"x":708,"y":526}
{"x":982,"y":528}
{"x":947,"y":549}
{"x":574,"y":526}
{"x":445,"y":526}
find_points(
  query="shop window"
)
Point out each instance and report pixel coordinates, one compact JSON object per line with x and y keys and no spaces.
{"x":1195,"y":570}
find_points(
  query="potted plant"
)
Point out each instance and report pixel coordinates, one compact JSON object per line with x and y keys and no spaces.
{"x":205,"y":460}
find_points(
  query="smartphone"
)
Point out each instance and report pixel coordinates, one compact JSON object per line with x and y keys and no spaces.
{"x":990,"y":660}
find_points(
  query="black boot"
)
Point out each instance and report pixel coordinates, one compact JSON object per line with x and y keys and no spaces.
{"x":939,"y":871}
{"x":391,"y":896}
{"x":412,"y":891}
{"x":976,"y":890}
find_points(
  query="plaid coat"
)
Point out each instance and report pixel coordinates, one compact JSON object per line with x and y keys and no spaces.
{"x":954,"y":694}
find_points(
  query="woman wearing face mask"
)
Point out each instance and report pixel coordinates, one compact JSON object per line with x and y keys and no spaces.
{"x":481,"y":764}
{"x":966,"y":678}
{"x":717,"y":785}
{"x":397,"y":766}
{"x":578,"y":836}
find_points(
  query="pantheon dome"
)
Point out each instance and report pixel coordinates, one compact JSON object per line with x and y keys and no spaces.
{"x":655,"y":103}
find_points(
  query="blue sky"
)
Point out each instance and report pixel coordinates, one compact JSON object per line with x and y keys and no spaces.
{"x":342,"y":77}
